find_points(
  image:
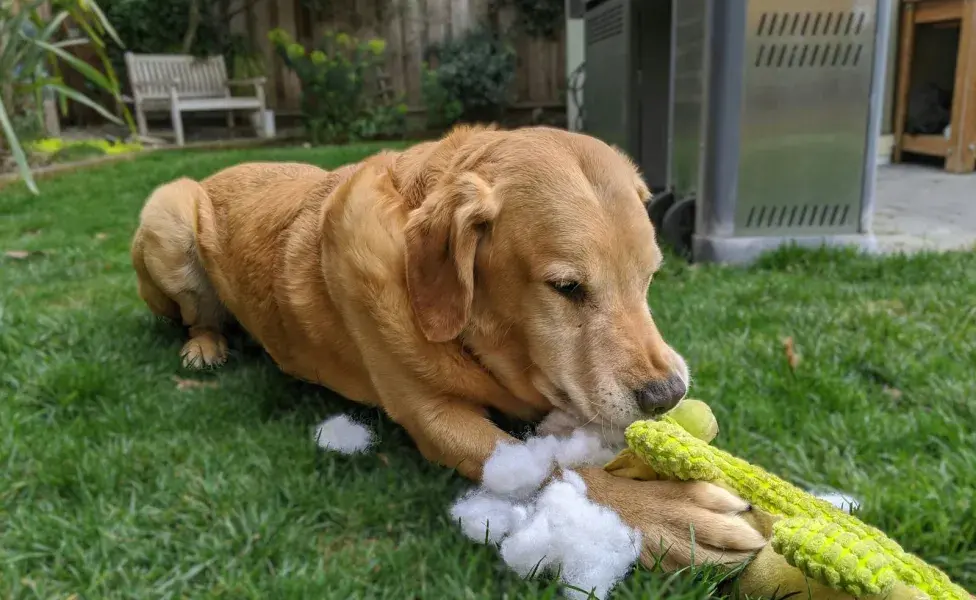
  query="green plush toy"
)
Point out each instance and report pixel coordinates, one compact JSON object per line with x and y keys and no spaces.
{"x":816,"y":550}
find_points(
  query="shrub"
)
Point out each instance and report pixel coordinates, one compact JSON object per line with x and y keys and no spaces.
{"x":339,"y":99}
{"x":443,"y":108}
{"x":474,"y":71}
{"x":34,"y":47}
{"x":537,"y":18}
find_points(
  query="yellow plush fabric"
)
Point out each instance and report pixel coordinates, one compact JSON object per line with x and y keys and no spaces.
{"x":814,"y":547}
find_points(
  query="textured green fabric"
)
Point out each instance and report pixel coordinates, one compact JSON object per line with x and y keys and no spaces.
{"x":825,"y":543}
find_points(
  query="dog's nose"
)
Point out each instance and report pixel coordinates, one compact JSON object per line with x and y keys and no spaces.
{"x":661,"y":395}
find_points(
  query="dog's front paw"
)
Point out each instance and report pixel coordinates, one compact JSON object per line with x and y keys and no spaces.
{"x":680,"y":523}
{"x":203,"y":351}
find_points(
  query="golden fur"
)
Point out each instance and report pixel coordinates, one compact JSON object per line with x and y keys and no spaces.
{"x":439,"y":282}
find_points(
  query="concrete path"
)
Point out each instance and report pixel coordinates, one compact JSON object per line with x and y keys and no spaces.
{"x":924,"y":208}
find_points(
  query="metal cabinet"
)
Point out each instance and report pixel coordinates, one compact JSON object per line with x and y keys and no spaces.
{"x":761,"y":127}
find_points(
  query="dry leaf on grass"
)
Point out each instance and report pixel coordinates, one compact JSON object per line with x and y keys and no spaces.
{"x":792,"y":358}
{"x":189,"y":384}
{"x":101,"y":235}
{"x":383,"y":458}
{"x":23,"y":254}
{"x":893,"y":392}
{"x":890,"y":307}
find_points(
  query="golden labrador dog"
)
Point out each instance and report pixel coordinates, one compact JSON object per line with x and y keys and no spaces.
{"x":491,"y":269}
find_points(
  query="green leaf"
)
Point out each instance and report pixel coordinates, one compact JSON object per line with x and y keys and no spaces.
{"x":52,"y":27}
{"x":83,"y":99}
{"x":11,"y":30}
{"x":38,"y":84}
{"x":16,"y":150}
{"x":104,"y":22}
{"x":90,"y":72}
{"x":70,"y":43}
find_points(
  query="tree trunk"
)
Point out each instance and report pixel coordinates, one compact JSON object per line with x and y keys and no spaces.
{"x":192,"y":26}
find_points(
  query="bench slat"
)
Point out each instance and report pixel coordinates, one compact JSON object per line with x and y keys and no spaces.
{"x":152,"y":75}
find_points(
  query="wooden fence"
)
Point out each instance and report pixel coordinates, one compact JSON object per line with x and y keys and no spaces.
{"x":409,"y":27}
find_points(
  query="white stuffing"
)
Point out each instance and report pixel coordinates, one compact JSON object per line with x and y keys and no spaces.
{"x":519,"y":469}
{"x":844,"y":502}
{"x":342,"y":434}
{"x":558,"y":422}
{"x":562,"y":423}
{"x":587,"y":544}
{"x":486,"y":517}
{"x":582,"y":448}
{"x":555,"y":529}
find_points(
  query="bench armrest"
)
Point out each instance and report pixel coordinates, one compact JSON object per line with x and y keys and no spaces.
{"x":257,"y":82}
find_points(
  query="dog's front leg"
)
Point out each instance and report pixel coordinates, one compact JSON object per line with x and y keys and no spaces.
{"x":454,"y":433}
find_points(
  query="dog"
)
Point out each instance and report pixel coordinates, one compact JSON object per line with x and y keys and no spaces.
{"x":488,"y":270}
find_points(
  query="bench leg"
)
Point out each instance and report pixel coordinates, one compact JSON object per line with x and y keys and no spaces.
{"x":141,"y":124}
{"x":177,"y":123}
{"x":230,"y":120}
{"x":262,"y":105}
{"x":259,"y":128}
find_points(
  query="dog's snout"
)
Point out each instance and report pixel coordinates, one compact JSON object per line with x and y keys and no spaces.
{"x":661,"y":395}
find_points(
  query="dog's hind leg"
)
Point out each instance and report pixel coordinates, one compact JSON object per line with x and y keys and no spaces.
{"x":205,"y":316}
{"x":172,"y":281}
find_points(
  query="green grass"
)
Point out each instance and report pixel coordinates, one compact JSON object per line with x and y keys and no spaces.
{"x":114,"y":483}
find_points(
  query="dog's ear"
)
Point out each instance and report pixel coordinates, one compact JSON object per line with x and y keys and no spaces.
{"x":442,"y":236}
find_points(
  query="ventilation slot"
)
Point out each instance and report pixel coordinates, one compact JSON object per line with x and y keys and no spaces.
{"x":811,"y":24}
{"x":606,"y":25}
{"x":803,"y":217}
{"x":791,"y":56}
{"x":798,"y":46}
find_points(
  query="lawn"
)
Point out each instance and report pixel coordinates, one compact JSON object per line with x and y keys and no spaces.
{"x":122,"y":476}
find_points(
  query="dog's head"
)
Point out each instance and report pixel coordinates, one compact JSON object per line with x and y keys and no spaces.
{"x":534,"y":248}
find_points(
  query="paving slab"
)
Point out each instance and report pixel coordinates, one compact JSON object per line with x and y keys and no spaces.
{"x":920,"y":207}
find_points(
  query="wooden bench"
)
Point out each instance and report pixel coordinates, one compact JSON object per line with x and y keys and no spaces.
{"x":182,"y":83}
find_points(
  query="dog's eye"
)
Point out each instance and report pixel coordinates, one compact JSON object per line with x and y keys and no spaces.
{"x":572,"y":290}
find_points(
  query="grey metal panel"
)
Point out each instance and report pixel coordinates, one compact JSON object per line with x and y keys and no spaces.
{"x":653,"y":39}
{"x":609,"y":86}
{"x":721,"y":129}
{"x":879,"y":93}
{"x":805,"y":117}
{"x":689,"y":35}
